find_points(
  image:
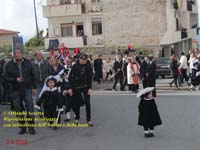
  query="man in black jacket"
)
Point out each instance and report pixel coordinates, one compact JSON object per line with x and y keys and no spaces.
{"x":151,"y":74}
{"x":2,"y":62}
{"x":143,"y":71}
{"x":118,"y":68}
{"x":19,"y":73}
{"x":80,"y":86}
{"x":41,"y":69}
{"x":98,"y":64}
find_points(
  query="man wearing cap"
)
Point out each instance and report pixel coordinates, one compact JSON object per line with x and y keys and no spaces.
{"x":80,"y":87}
{"x":151,"y":74}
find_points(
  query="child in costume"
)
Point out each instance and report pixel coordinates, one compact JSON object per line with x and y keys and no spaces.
{"x":50,"y":97}
{"x":148,"y":113}
{"x":195,"y":76}
{"x":67,"y":101}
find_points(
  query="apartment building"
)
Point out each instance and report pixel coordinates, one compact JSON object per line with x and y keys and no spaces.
{"x":165,"y":26}
{"x":182,"y":23}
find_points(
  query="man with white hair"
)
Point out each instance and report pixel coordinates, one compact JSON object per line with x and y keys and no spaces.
{"x":41,"y":69}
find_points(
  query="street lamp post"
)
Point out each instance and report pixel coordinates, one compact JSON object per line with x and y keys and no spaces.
{"x":36,"y":23}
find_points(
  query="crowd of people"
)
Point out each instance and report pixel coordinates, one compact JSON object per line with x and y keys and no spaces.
{"x":47,"y":85}
{"x":186,"y":69}
{"x":128,"y":69}
{"x":64,"y":80}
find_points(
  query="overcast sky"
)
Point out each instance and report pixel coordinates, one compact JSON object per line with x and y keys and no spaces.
{"x":18,"y":15}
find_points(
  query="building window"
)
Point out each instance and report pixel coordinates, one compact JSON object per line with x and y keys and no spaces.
{"x":66,"y":30}
{"x":79,"y":29}
{"x":96,"y":27}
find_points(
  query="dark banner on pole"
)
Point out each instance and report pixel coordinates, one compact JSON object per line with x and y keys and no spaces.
{"x":18,"y":44}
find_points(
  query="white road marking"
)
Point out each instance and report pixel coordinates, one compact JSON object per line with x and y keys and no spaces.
{"x":159,"y":93}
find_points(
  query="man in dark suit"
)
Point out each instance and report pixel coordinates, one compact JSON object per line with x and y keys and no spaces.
{"x":98,"y":64}
{"x":151,"y":73}
{"x":118,"y":69}
{"x":143,"y":71}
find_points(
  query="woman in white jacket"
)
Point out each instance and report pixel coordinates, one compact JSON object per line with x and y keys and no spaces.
{"x":133,"y":75}
{"x":191,"y":61}
{"x":183,"y":67}
{"x":129,"y":75}
{"x":108,"y":65}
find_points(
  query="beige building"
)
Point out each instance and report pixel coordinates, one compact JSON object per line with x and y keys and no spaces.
{"x":151,"y":24}
{"x":6,"y":37}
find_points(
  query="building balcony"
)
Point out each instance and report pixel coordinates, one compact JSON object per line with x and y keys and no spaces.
{"x":170,"y":38}
{"x":70,"y":42}
{"x":174,"y":37}
{"x":74,"y":42}
{"x":62,"y":10}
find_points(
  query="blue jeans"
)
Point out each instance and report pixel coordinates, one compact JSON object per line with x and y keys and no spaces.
{"x":18,"y":97}
{"x":39,"y":88}
{"x":36,"y":96}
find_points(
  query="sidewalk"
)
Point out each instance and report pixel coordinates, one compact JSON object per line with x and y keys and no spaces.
{"x":161,"y":84}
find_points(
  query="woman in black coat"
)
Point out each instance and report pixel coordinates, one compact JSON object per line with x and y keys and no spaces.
{"x":55,"y":66}
{"x":174,"y":68}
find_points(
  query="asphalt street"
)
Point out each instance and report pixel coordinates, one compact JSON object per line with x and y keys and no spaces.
{"x":115,"y":118}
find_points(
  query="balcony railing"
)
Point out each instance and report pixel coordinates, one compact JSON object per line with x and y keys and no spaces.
{"x":62,"y":10}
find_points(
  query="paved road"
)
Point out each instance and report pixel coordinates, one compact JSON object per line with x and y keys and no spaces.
{"x":115,"y":117}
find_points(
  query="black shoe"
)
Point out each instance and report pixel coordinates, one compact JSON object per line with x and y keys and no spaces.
{"x":90,"y":124}
{"x":66,"y":120}
{"x":76,"y":122}
{"x":31,"y":130}
{"x":170,"y":84}
{"x":151,"y":135}
{"x":54,"y":128}
{"x":146,"y":135}
{"x":188,"y":84}
{"x":3,"y":103}
{"x":22,"y":131}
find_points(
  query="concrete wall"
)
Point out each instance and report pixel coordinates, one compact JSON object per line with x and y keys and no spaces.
{"x":141,"y":22}
{"x":6,"y":40}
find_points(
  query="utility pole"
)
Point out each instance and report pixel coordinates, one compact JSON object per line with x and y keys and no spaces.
{"x":36,"y":23}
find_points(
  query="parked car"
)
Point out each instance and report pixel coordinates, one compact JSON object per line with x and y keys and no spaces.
{"x":163,"y":68}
